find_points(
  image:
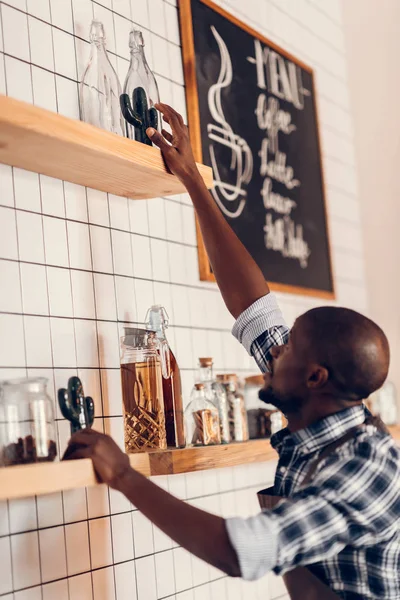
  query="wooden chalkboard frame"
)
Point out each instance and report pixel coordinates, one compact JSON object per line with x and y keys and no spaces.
{"x":192,"y":103}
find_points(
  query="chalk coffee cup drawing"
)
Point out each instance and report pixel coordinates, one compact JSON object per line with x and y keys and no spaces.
{"x":230,"y":195}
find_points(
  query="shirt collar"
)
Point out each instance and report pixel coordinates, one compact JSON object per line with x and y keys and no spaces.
{"x":320,"y":434}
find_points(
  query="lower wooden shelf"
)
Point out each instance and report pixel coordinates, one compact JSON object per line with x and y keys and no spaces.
{"x":46,"y":478}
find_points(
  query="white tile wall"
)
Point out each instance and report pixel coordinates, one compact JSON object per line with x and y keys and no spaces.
{"x":76,"y":264}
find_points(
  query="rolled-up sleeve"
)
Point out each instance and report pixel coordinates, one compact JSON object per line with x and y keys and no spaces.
{"x":260,"y":327}
{"x":255,"y":541}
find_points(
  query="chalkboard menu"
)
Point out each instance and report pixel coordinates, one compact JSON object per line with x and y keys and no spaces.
{"x":252,"y":118}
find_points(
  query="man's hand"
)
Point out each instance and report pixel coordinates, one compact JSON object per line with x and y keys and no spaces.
{"x":109,"y":462}
{"x":201,"y":533}
{"x":175,"y":147}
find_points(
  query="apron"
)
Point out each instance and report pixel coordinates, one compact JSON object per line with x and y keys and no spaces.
{"x":301,"y":584}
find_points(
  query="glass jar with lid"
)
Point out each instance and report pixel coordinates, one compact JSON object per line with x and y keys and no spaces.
{"x":142,"y":391}
{"x":264,"y":419}
{"x":202,"y":419}
{"x":237,"y":410}
{"x":28,"y":428}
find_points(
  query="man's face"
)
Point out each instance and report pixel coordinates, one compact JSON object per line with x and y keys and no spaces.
{"x":286,"y":383}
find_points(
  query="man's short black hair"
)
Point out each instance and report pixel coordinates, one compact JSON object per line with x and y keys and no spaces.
{"x":353,"y":349}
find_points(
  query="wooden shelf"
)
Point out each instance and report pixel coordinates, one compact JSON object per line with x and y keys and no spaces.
{"x":171,"y":462}
{"x":45,"y":478}
{"x":44,"y":142}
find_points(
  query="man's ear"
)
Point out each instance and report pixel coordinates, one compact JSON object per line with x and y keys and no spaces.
{"x":318,"y":377}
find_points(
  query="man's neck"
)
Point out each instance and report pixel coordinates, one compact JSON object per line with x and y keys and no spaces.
{"x":312,"y":412}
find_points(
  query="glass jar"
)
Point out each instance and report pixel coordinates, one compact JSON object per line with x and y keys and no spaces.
{"x":215,"y":392}
{"x":264,"y":419}
{"x":142,"y":391}
{"x":28,"y":428}
{"x":202,"y":420}
{"x":237,"y":410}
{"x":100,"y":89}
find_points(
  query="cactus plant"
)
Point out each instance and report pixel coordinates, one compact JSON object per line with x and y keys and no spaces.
{"x":138,"y":114}
{"x":75,"y":407}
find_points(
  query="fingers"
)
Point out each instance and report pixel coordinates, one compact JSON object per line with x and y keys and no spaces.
{"x":168,"y":136}
{"x":85,"y":437}
{"x":75,"y":453}
{"x":171,"y":117}
{"x":158,"y":139}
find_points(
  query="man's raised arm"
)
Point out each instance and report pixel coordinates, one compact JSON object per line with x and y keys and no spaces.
{"x":238,"y":276}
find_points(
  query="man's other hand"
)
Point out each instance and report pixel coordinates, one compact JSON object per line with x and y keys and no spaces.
{"x":109,"y":462}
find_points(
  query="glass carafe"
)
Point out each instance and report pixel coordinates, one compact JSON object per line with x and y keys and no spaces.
{"x":100,"y":89}
{"x":157,"y":320}
{"x":215,"y":392}
{"x":142,"y":392}
{"x":237,"y":411}
{"x":202,"y":420}
{"x":28,"y":428}
{"x":140,"y":93}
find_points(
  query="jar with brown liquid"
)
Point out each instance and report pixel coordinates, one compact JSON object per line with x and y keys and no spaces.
{"x":142,"y":391}
{"x":157,"y":320}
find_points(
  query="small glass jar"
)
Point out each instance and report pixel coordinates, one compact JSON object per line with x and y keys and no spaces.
{"x":215,"y":392}
{"x":237,"y":411}
{"x":28,"y":428}
{"x":202,"y":420}
{"x":264,"y":419}
{"x":142,"y":391}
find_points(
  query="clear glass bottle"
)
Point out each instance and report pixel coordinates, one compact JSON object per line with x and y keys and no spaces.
{"x":215,"y":392}
{"x":237,"y":410}
{"x":142,"y":391}
{"x":202,"y":420}
{"x":100,"y":89}
{"x":157,"y":320}
{"x":142,"y":90}
{"x":263,"y":419}
{"x":28,"y":428}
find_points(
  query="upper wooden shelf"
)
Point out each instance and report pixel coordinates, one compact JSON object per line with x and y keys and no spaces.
{"x":44,"y":142}
{"x":45,"y":478}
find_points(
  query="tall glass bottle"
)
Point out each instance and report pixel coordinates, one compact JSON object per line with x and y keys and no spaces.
{"x":215,"y":392}
{"x":142,"y":391}
{"x":139,"y":77}
{"x":157,"y":320}
{"x":100,"y":89}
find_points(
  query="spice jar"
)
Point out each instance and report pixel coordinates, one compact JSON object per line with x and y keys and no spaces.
{"x":215,"y":392}
{"x":237,"y":410}
{"x":28,"y":428}
{"x":142,"y":391}
{"x":202,"y":420}
{"x":264,"y":419}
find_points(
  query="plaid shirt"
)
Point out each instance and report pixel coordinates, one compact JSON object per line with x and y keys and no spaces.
{"x":344,"y":524}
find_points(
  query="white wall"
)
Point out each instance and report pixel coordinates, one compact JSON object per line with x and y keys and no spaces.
{"x":372,"y":32}
{"x":65,"y":293}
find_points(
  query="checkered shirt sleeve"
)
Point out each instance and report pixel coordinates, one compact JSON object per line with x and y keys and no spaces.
{"x":260,"y":327}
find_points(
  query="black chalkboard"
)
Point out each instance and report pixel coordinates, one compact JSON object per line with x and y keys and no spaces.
{"x":252,"y":117}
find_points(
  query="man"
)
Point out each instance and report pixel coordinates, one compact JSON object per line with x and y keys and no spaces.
{"x":342,"y":522}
